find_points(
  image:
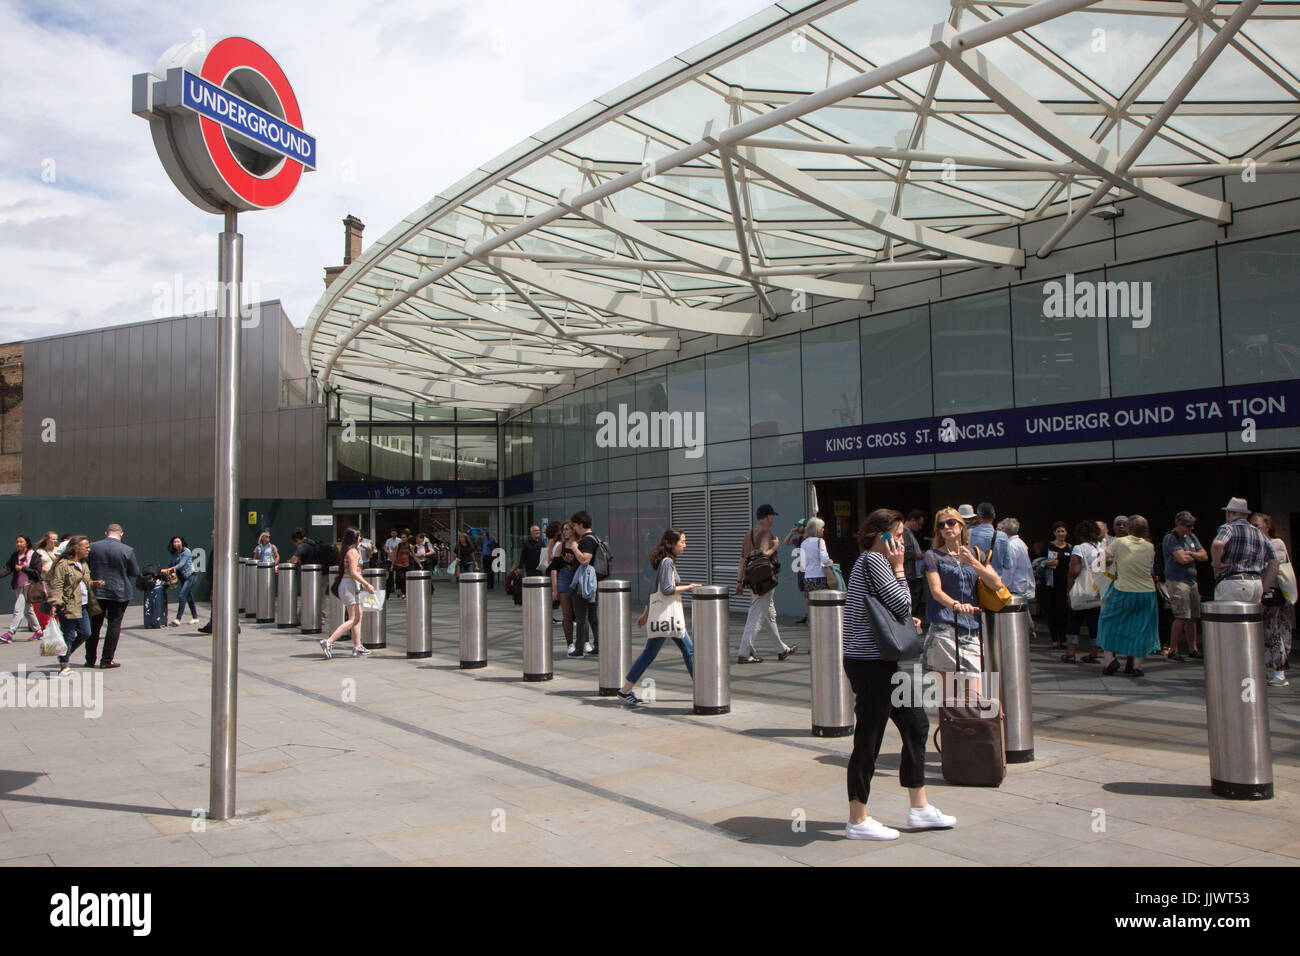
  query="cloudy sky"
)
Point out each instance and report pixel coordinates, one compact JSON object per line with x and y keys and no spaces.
{"x":404,"y":97}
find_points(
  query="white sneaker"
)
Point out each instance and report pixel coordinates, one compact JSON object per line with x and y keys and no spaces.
{"x":1278,"y":680}
{"x":869,"y":829}
{"x":587,"y":649}
{"x":928,"y":817}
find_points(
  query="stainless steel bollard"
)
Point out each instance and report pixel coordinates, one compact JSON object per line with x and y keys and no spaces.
{"x":243,"y":584}
{"x":266,"y":593}
{"x":472,"y":588}
{"x":1236,"y":700}
{"x":1007,"y":674}
{"x":419,"y":641}
{"x":613,"y":607}
{"x":709,"y":631}
{"x":374,"y":623}
{"x":537,"y":629}
{"x":286,"y":602}
{"x":832,"y":695}
{"x":309,"y":607}
{"x":250,"y":584}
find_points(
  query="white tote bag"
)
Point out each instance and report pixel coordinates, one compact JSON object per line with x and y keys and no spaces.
{"x":1084,"y":594}
{"x":666,"y":617}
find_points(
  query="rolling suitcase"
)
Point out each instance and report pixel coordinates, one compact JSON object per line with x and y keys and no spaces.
{"x":971,"y":740}
{"x":155,"y":606}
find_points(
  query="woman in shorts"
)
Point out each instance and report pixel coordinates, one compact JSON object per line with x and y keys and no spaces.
{"x":349,"y":587}
{"x":952,"y":573}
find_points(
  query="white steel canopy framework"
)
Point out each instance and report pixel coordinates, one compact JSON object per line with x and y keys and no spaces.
{"x":802,"y":152}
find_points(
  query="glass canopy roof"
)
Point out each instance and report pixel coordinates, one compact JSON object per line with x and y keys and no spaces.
{"x":807,"y":148}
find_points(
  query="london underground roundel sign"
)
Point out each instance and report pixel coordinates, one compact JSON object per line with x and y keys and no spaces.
{"x":226,"y":124}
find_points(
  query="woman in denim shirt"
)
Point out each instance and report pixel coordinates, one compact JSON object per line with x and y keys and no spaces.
{"x":952,"y":643}
{"x":183,"y":562}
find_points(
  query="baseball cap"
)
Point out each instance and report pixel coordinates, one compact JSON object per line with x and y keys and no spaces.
{"x":765,"y":510}
{"x":1238,"y":505}
{"x":801,"y":522}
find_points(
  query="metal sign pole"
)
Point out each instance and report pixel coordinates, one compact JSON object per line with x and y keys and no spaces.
{"x":225,"y":595}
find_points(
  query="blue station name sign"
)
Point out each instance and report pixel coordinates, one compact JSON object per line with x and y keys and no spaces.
{"x":247,"y":119}
{"x":1198,"y":411}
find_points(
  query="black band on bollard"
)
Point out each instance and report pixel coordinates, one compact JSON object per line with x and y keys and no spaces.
{"x":466,"y":665}
{"x":1012,"y":609}
{"x":831,"y":731}
{"x":708,"y":597}
{"x":532,"y":584}
{"x":609,"y":691}
{"x":1241,"y":791}
{"x":709,"y":711}
{"x":1252,"y":618}
{"x":410,"y":654}
{"x":1020,"y":756}
{"x":534,"y":678}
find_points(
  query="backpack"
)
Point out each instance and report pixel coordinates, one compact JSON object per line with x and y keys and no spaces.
{"x":326,"y":555}
{"x":602,"y":559}
{"x":759,"y":574}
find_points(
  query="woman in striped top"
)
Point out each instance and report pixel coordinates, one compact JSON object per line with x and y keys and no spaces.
{"x":879,"y":572}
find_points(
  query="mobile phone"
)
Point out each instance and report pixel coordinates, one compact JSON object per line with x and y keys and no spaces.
{"x":888,"y":538}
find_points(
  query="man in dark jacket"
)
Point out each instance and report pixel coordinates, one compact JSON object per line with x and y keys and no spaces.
{"x":531,"y":557}
{"x":114,"y":563}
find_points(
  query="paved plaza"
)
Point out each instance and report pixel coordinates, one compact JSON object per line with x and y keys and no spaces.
{"x":387,"y":760}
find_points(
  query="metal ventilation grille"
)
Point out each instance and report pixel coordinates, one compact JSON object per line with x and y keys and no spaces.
{"x":730,"y":518}
{"x":689,"y":510}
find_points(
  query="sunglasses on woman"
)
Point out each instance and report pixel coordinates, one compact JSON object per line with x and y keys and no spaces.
{"x":948,"y":523}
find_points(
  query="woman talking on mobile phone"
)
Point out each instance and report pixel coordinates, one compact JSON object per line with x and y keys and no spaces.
{"x":952,"y":644}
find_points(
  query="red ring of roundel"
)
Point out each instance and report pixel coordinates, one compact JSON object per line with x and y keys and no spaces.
{"x":225,"y":57}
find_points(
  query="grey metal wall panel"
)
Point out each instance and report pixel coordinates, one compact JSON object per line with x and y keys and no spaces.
{"x":165,"y":408}
{"x":149,"y":368}
{"x":134,"y":446}
{"x":207,"y":335}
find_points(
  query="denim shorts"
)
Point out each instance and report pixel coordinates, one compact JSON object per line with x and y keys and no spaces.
{"x":563,"y":578}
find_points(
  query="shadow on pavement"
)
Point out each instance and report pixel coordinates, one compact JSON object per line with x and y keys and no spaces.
{"x":779,"y":831}
{"x":11,"y":780}
{"x":1185,"y":791}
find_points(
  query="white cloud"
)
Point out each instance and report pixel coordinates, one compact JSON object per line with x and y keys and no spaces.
{"x":404,"y":98}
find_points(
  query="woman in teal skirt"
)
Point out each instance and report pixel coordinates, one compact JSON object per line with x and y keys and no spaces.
{"x":1129,"y":621}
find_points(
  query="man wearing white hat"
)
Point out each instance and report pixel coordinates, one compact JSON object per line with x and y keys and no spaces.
{"x":1244,"y":565}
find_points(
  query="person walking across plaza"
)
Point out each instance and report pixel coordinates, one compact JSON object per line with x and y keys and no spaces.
{"x":348,"y":589}
{"x":1129,"y":623}
{"x":1056,"y":573}
{"x":953,"y":573}
{"x":18,"y":566}
{"x":1180,"y":551}
{"x":762,"y":610}
{"x":664,"y":618}
{"x":1279,"y":605}
{"x":489,"y":547}
{"x":114,"y":566}
{"x":879,"y":573}
{"x":1244,"y":565}
{"x":464,"y":554}
{"x":182,"y":562}
{"x":72,"y":597}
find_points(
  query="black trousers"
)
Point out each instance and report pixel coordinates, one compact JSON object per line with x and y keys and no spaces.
{"x":872,"y":686}
{"x":113,"y":612}
{"x":1058,"y":608}
{"x":584,"y":613}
